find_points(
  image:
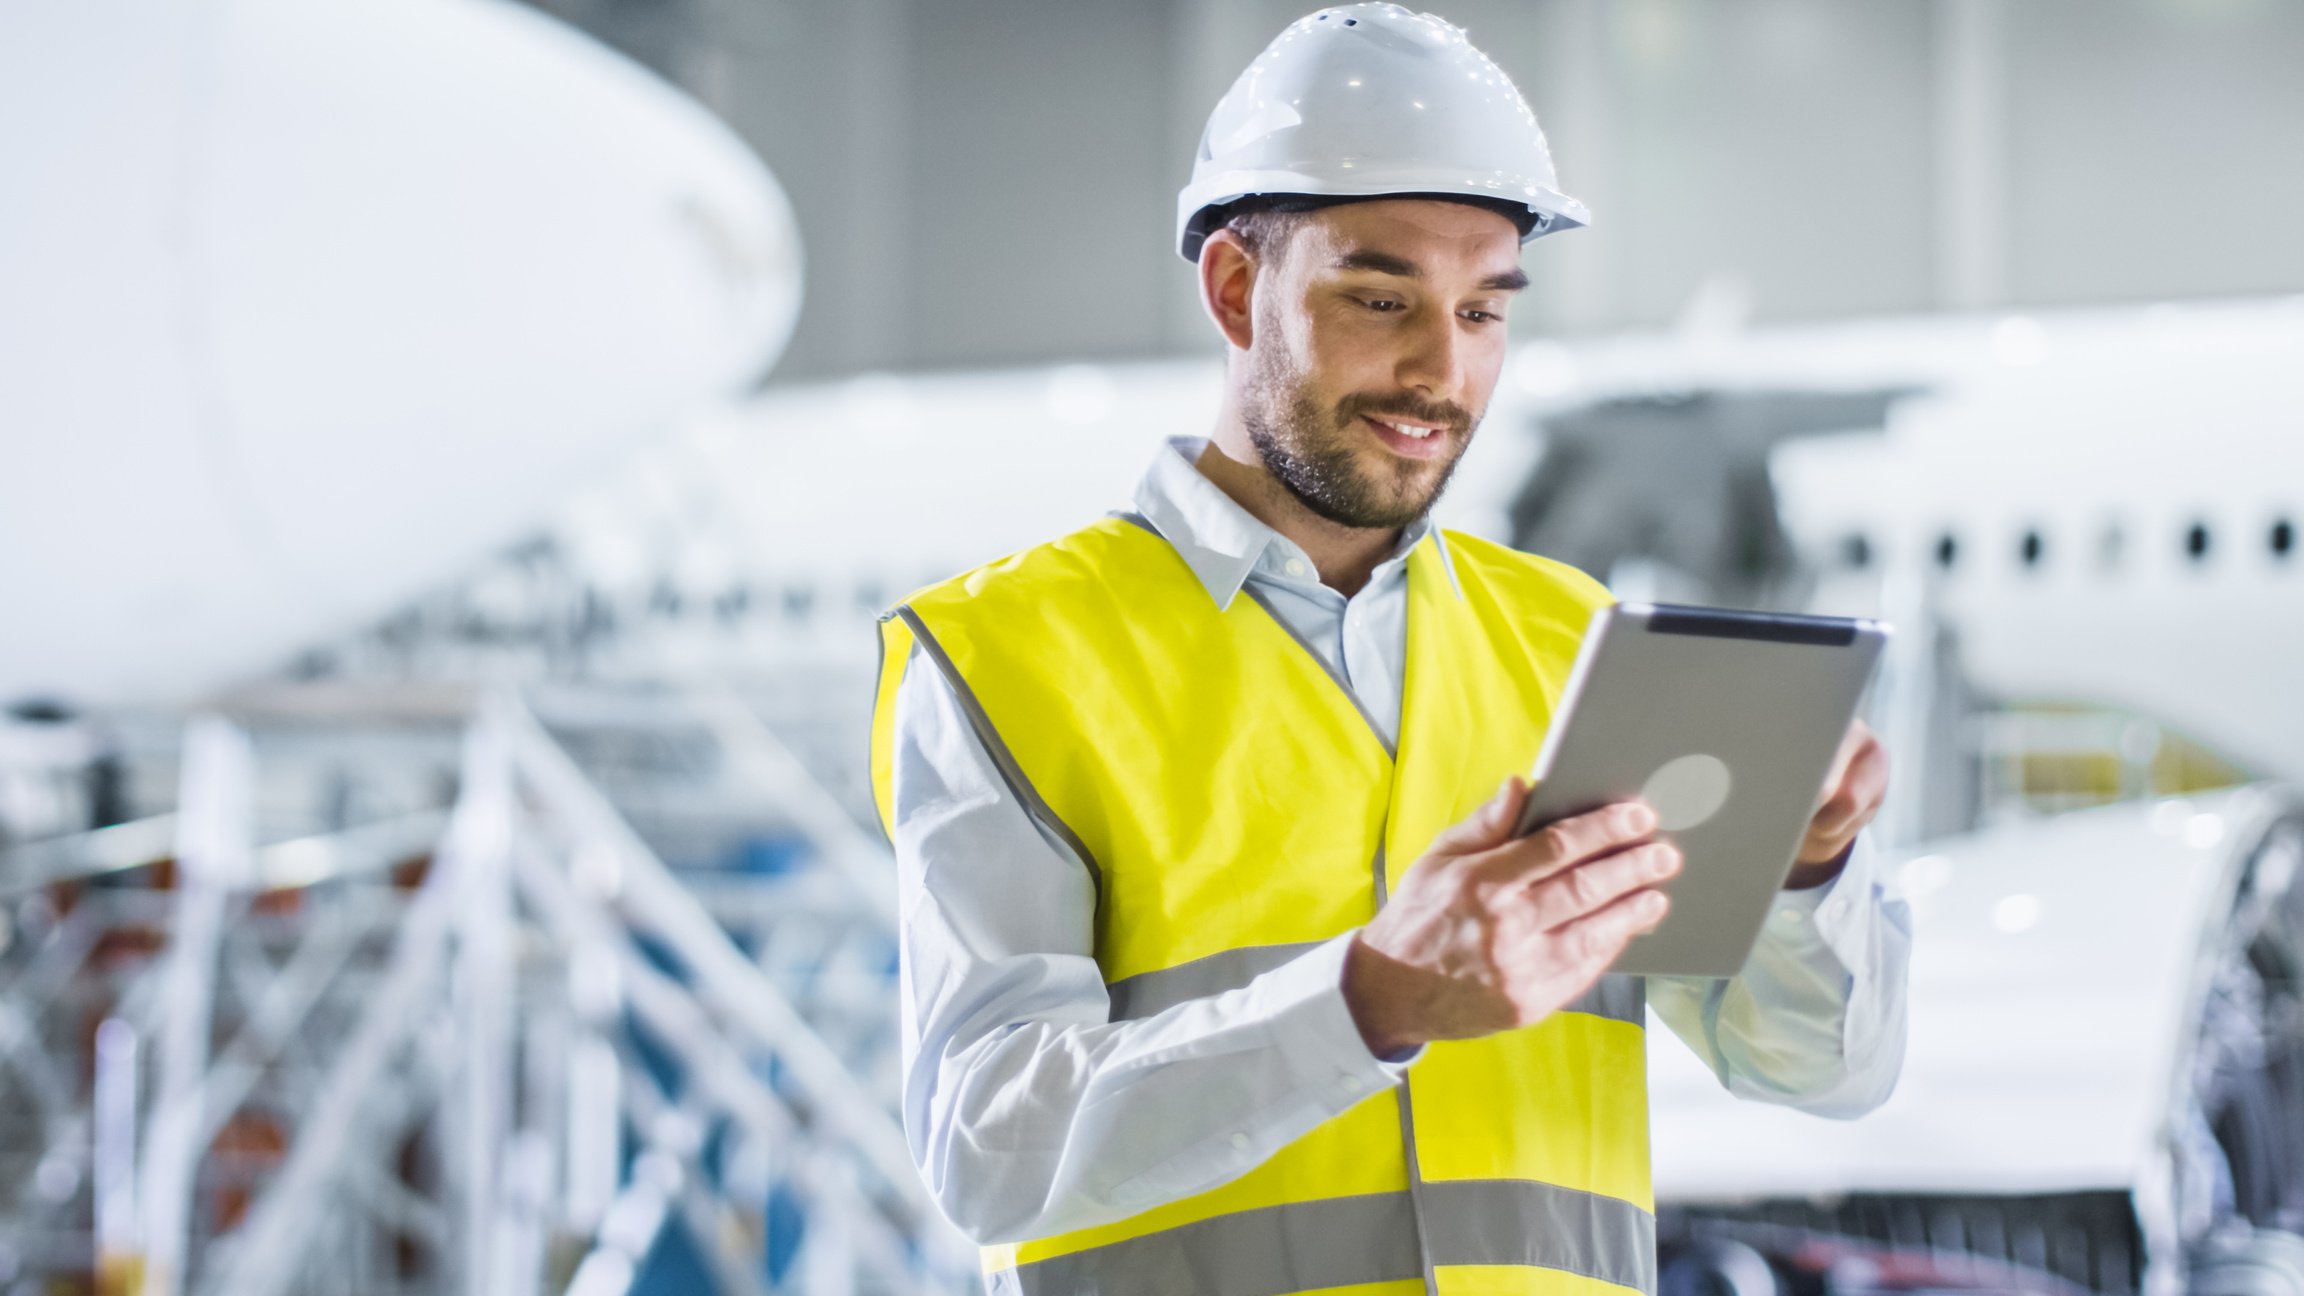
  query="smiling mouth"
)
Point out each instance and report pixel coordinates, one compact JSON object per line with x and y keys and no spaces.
{"x":1413,"y":439}
{"x":1412,"y":431}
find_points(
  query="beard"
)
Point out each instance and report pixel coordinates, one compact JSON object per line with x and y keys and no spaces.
{"x":1314,"y":450}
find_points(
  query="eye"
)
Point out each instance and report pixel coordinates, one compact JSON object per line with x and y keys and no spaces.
{"x":1383,"y":305}
{"x":1483,"y":317}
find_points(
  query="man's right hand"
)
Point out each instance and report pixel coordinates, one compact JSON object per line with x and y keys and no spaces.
{"x":1487,"y":933}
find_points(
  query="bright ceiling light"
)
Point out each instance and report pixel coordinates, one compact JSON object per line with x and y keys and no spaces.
{"x":1924,"y":875}
{"x":2016,"y":914}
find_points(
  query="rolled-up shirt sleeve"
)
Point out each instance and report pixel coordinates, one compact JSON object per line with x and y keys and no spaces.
{"x":1816,"y":1019}
{"x":1027,"y":1110}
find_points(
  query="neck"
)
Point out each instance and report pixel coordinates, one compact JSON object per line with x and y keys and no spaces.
{"x":1344,"y":555}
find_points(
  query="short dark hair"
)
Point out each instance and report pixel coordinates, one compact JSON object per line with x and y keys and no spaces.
{"x":1264,"y":230}
{"x":1265,"y":222}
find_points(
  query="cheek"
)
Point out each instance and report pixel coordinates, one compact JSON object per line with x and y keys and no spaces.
{"x":1286,"y":338}
{"x":1287,"y":353}
{"x":1347,"y":353}
{"x":1485,"y":361}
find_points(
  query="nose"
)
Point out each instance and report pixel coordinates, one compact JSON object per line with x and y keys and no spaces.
{"x":1433,"y":360}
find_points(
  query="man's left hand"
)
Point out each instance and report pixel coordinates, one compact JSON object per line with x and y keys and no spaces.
{"x":1853,"y":792}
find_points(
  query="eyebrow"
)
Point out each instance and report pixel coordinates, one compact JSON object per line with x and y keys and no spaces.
{"x":1512,"y":280}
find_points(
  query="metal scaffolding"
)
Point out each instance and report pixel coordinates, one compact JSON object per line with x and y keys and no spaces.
{"x":495,"y":1045}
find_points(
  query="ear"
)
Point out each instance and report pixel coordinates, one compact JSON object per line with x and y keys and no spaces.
{"x":1228,"y":287}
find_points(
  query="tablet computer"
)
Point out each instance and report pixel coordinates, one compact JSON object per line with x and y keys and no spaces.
{"x":1727,"y":723}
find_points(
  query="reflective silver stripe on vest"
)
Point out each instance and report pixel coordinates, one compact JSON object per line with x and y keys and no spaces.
{"x":1305,"y":1246}
{"x":1518,"y":1222}
{"x":1618,"y":998}
{"x":1150,"y":992}
{"x":1272,"y":1251}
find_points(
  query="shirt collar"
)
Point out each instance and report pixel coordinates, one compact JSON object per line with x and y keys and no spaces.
{"x":1219,"y":540}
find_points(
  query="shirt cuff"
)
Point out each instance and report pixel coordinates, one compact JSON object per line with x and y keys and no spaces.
{"x":1305,"y":997}
{"x":1844,"y":916}
{"x":1832,"y":914}
{"x":1795,"y":911}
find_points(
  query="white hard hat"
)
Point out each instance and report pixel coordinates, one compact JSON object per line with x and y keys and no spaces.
{"x":1367,"y":100}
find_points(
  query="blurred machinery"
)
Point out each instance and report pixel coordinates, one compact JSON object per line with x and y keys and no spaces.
{"x":1674,"y":490}
{"x":2104,"y":1090}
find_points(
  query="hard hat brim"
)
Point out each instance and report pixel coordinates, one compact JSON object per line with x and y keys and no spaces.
{"x":1201,"y":214}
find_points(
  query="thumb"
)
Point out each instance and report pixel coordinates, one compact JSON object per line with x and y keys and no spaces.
{"x":1490,"y":825}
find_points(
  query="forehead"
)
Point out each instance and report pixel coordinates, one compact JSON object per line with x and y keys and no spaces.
{"x":1437,"y":236}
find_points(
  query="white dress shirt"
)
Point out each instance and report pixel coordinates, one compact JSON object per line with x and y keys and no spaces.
{"x":1030,"y":1112}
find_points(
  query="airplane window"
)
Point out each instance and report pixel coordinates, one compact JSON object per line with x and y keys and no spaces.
{"x":1856,"y":550}
{"x":1947,"y":551}
{"x":2196,"y":541}
{"x":2283,"y":538}
{"x":799,"y":601}
{"x":2109,"y":548}
{"x":2030,"y":548}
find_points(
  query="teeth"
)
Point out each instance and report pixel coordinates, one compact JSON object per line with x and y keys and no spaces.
{"x":1406,"y":430}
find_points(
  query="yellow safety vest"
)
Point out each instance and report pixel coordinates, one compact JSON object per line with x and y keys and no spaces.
{"x":1237,"y":808}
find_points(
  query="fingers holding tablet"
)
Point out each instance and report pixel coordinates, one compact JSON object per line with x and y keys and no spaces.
{"x":1567,"y":842}
{"x":1487,"y":932}
{"x":1598,"y":883}
{"x":1559,"y":932}
{"x":1851,"y":796}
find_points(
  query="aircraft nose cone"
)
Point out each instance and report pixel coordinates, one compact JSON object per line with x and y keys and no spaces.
{"x":313,"y":301}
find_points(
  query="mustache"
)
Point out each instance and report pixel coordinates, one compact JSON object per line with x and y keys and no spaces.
{"x":1448,"y":414}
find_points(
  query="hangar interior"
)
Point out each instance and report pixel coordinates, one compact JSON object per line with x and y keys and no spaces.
{"x":462,"y":449}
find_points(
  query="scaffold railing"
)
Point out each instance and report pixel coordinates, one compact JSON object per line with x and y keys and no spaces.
{"x":504,"y":1048}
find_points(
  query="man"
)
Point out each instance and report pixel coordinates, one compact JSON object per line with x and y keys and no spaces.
{"x":1221,"y":973}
